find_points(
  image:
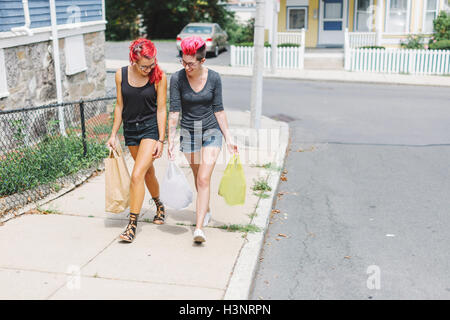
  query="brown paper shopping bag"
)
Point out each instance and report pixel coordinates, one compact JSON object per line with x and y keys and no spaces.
{"x":117,"y":182}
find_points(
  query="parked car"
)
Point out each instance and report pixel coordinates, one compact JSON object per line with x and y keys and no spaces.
{"x":212,"y":33}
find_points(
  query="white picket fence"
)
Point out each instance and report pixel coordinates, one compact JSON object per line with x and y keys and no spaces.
{"x":410,"y":61}
{"x":288,"y":57}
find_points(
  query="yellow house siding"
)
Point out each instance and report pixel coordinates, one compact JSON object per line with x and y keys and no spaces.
{"x":282,"y":17}
{"x":313,"y":24}
{"x":351,"y":14}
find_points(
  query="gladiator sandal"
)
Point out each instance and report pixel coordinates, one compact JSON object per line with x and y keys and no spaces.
{"x":160,"y":212}
{"x":130,"y":232}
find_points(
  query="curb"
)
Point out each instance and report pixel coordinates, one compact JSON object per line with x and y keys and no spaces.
{"x":241,"y":281}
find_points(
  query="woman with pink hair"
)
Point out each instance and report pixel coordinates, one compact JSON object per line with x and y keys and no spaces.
{"x":141,"y":104}
{"x":196,"y":91}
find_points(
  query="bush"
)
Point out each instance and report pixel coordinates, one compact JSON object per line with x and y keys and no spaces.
{"x":442,"y":27}
{"x":440,"y":45}
{"x":414,"y":41}
{"x":238,"y":33}
{"x":372,"y":47}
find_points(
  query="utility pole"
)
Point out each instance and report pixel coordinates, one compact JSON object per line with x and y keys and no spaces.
{"x":57,"y":65}
{"x":258,"y":67}
{"x":276,"y":9}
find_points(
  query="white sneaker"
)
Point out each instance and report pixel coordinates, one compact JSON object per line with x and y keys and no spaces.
{"x":207,"y":218}
{"x":199,"y":236}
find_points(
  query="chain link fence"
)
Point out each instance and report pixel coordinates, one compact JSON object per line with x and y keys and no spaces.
{"x":47,"y":148}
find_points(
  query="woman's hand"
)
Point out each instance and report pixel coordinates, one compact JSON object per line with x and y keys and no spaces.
{"x":171,"y":150}
{"x":157,"y":152}
{"x":232,"y":148}
{"x":111,"y":144}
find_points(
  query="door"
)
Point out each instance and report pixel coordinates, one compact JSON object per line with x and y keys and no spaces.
{"x":332,"y":22}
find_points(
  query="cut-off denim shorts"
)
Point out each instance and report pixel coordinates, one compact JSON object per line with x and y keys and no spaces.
{"x":193,"y":142}
{"x":135,"y":132}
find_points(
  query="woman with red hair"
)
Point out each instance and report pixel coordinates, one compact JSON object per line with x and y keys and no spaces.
{"x":141,"y":105}
{"x":197,"y":92}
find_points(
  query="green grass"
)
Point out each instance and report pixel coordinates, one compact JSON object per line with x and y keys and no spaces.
{"x":53,"y":158}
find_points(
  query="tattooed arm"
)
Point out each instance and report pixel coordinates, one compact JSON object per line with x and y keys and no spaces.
{"x":173,"y":122}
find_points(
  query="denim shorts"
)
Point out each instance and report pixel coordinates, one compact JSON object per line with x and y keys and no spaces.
{"x":135,"y":132}
{"x":193,"y":142}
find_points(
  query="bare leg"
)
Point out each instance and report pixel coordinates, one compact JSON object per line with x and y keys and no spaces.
{"x":194,"y":162}
{"x":209,"y":157}
{"x":143,"y":162}
{"x":150,"y":178}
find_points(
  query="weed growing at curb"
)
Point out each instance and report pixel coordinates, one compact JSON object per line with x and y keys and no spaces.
{"x":267,"y":166}
{"x":47,"y":211}
{"x":260,"y":187}
{"x":240,"y":228}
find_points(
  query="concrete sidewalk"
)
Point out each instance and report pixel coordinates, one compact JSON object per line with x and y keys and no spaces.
{"x":307,"y":74}
{"x":75,"y":252}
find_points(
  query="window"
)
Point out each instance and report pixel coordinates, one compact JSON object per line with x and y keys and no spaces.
{"x":3,"y":83}
{"x":297,"y":18}
{"x":197,"y":30}
{"x":397,"y":16}
{"x":363,"y":15}
{"x":430,"y":13}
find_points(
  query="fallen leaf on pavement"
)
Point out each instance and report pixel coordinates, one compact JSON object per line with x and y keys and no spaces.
{"x":347,"y":257}
{"x":33,"y":211}
{"x":283,"y":178}
{"x":282,"y":235}
{"x":275,"y":211}
{"x":285,"y":171}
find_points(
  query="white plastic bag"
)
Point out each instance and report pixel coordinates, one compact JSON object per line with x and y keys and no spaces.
{"x":175,"y":191}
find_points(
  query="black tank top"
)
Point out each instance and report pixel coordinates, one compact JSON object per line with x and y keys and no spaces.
{"x":139,"y":103}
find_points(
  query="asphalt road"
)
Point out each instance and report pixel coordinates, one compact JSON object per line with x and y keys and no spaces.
{"x":365,"y":207}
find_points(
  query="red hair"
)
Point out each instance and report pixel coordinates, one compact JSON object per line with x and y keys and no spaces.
{"x":190,"y":45}
{"x":144,"y":48}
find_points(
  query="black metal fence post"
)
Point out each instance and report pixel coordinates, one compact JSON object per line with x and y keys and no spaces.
{"x":83,"y":129}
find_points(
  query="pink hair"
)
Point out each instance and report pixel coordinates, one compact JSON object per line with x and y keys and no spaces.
{"x":190,"y":45}
{"x":144,"y":48}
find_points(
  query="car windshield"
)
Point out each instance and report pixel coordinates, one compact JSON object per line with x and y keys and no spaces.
{"x":197,"y":29}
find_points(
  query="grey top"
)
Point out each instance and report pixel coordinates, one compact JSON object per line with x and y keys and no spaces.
{"x":196,"y":107}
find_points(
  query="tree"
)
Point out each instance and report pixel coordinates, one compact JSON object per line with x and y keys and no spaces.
{"x":122,"y":17}
{"x":165,"y":19}
{"x":162,"y":18}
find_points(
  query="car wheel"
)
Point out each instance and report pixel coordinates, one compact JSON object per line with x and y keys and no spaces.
{"x":216,"y":51}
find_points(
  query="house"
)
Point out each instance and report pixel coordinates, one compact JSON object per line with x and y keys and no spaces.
{"x":325,"y":21}
{"x":27,"y":73}
{"x":244,"y":10}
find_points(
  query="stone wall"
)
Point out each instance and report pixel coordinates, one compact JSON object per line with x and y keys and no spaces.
{"x":31,"y":74}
